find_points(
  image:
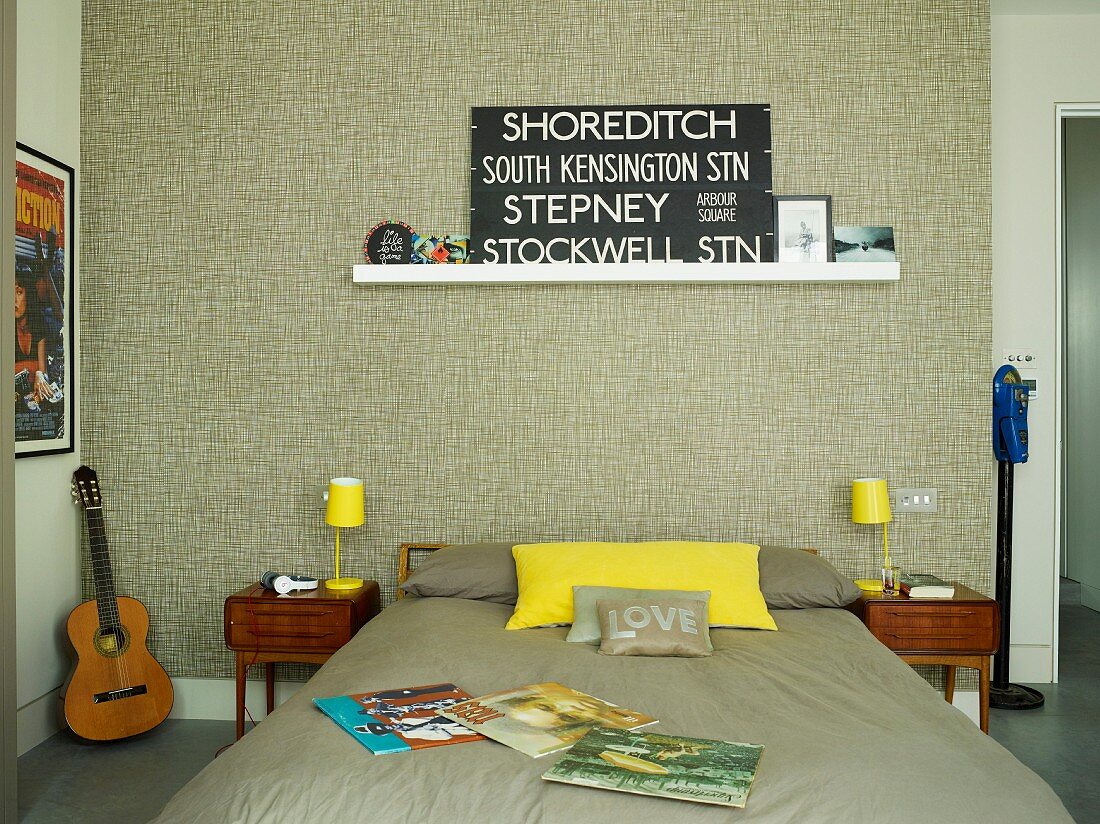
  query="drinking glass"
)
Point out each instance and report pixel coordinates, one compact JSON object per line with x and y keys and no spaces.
{"x":890,"y":575}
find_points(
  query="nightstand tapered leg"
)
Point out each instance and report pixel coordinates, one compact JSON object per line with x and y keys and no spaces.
{"x":983,"y":695}
{"x":240,"y":695}
{"x":270,"y":673}
{"x":949,"y":684}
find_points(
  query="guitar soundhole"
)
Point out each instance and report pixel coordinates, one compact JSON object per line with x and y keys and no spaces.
{"x":111,"y":642}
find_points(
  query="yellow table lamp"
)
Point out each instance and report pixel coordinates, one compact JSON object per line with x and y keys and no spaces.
{"x":871,"y":505}
{"x":345,"y":508}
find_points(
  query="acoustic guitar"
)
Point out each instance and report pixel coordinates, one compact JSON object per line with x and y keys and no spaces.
{"x":116,"y":689}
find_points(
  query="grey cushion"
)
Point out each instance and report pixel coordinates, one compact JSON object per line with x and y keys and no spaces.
{"x":586,"y":620}
{"x":675,"y":627}
{"x":477,"y":572}
{"x":794,"y":579}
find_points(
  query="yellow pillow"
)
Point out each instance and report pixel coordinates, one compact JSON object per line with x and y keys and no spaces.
{"x":547,"y":574}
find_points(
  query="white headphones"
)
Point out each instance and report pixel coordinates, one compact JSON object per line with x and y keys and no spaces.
{"x":283,"y":584}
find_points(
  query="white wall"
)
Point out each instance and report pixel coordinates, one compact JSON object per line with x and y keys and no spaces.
{"x":1038,"y":61}
{"x":46,"y":522}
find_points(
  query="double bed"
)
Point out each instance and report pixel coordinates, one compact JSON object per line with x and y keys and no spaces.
{"x":850,"y":733}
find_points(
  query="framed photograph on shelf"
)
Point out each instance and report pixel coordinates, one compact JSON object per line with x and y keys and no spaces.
{"x":45,"y":190}
{"x":864,"y":244}
{"x":803,"y":228}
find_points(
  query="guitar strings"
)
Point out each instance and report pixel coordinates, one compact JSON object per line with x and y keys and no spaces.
{"x":97,"y":530}
{"x":110,"y":608}
{"x":120,"y":633}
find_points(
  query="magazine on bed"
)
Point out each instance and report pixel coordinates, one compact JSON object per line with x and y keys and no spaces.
{"x":541,"y":718}
{"x":670,"y":766}
{"x":399,"y":720}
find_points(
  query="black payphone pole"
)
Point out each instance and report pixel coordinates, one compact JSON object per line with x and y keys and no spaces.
{"x":1002,"y":694}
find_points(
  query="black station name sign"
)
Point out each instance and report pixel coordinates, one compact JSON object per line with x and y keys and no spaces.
{"x":606,"y":184}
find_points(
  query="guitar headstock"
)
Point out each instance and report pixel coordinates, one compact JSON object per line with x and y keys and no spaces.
{"x":86,"y":488}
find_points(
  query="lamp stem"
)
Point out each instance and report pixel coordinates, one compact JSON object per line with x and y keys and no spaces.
{"x":337,"y":552}
{"x":885,"y":543}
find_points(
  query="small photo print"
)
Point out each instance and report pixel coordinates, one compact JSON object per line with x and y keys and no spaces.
{"x":803,"y":228}
{"x":864,"y":244}
{"x":446,"y":249}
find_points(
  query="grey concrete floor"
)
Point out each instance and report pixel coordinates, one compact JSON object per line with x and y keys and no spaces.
{"x":62,"y":780}
{"x":127,"y":782}
{"x":1061,"y":739}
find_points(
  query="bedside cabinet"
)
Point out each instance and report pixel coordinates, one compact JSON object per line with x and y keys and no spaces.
{"x":962,"y":631}
{"x":262,"y":627}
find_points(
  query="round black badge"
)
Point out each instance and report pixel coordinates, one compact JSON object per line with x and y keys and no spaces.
{"x":389,"y":243}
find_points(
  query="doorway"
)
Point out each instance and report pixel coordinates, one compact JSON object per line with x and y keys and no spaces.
{"x":1080,"y":219}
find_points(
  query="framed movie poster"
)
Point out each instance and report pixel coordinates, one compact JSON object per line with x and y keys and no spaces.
{"x":44,"y":354}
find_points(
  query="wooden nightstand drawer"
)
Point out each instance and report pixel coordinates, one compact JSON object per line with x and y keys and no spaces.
{"x":267,"y":614}
{"x":316,"y":639}
{"x":937,"y":639}
{"x":912,"y":613}
{"x":947,"y":614}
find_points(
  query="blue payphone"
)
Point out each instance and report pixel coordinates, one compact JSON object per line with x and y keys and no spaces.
{"x":1010,"y":396}
{"x":1010,"y":447}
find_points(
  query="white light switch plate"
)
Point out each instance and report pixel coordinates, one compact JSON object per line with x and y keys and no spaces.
{"x":914,"y":500}
{"x":1021,"y":358}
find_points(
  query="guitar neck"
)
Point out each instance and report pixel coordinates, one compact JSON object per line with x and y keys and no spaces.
{"x":103,"y":577}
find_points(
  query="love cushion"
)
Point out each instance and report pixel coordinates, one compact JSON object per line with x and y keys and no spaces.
{"x":673,"y":626}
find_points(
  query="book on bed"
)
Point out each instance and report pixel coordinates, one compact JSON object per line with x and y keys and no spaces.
{"x":399,"y":720}
{"x":670,"y":766}
{"x":541,"y":718}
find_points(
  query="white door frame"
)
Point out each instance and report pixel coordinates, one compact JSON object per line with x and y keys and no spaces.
{"x":1062,"y":112}
{"x":8,"y":711}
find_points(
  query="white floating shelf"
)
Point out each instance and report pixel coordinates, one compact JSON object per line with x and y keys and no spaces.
{"x":504,"y":273}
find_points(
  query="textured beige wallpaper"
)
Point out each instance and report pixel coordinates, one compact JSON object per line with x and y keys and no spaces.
{"x":234,"y":155}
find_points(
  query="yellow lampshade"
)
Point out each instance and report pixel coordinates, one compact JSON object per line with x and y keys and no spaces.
{"x":345,"y":502}
{"x":345,"y":508}
{"x":870,"y":501}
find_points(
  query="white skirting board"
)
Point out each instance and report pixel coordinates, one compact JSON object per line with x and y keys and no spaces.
{"x":1090,"y":597}
{"x":38,"y":720}
{"x":213,"y":698}
{"x":216,"y":698}
{"x":1031,"y":664}
{"x":195,"y":698}
{"x":967,"y":702}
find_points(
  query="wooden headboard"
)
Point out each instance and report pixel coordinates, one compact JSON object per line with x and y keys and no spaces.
{"x":412,"y":554}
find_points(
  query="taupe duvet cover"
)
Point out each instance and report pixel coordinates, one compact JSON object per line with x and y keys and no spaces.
{"x":850,"y":733}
